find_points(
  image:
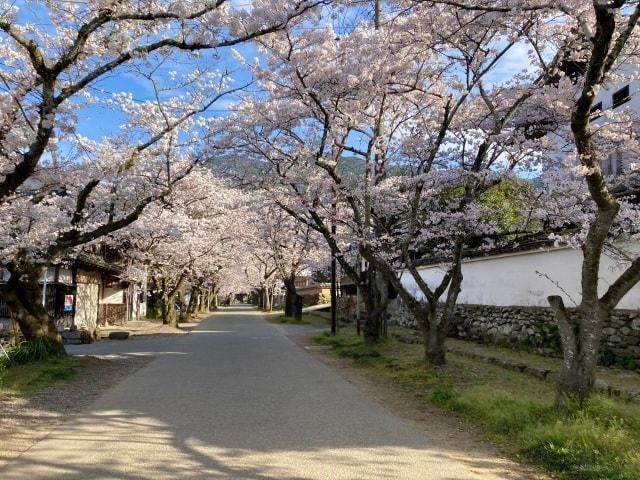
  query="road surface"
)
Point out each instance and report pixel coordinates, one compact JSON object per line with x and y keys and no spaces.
{"x":236,"y":399}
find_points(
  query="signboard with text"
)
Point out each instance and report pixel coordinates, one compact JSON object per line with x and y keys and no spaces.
{"x":68,"y":303}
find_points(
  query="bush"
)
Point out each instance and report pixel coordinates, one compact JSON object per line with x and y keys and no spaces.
{"x":27,"y":352}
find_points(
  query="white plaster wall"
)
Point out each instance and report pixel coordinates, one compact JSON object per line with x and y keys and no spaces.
{"x":112,"y":295}
{"x":605,"y":94}
{"x":521,"y":279}
{"x":87,"y":295}
{"x":87,"y":299}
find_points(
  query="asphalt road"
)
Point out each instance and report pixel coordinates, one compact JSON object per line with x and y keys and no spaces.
{"x":235,"y":399}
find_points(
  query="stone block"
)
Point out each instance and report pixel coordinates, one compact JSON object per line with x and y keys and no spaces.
{"x":601,"y":385}
{"x":118,"y":335}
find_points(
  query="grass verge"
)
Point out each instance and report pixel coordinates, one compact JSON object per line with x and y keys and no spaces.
{"x":23,"y":379}
{"x":307,"y":319}
{"x":600,"y":441}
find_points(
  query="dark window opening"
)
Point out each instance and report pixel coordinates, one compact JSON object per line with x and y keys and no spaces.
{"x":596,"y":111}
{"x":621,"y":96}
{"x":614,"y":164}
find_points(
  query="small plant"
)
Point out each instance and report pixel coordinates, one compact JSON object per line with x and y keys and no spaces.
{"x":630,"y":363}
{"x":608,"y":358}
{"x":27,"y":352}
{"x":442,"y":395}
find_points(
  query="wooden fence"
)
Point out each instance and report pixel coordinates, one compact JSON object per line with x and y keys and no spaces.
{"x":112,"y":313}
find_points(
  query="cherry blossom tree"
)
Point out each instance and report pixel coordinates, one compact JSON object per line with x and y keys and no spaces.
{"x":192,"y":238}
{"x":394,"y":142}
{"x":599,"y":46}
{"x":60,"y":190}
{"x":261,"y":274}
{"x":292,"y":247}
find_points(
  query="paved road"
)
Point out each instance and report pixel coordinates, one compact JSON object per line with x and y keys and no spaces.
{"x":235,"y":399}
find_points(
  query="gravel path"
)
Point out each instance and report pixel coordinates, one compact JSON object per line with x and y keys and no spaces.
{"x":236,"y":399}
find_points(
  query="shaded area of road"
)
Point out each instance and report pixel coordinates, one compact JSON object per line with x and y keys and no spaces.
{"x":235,"y":399}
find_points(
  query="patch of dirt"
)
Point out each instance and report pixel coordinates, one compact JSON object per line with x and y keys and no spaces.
{"x":24,"y":420}
{"x":487,"y":459}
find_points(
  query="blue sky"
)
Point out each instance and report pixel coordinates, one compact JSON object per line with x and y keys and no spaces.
{"x":96,"y":122}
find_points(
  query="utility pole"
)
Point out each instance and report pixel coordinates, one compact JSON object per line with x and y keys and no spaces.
{"x":358,"y":295}
{"x":334,"y":290}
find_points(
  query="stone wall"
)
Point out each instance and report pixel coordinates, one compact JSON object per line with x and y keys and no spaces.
{"x":535,"y":328}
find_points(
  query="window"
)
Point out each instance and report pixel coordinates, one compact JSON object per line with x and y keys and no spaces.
{"x":614,"y":164}
{"x":596,"y":111}
{"x":621,"y":96}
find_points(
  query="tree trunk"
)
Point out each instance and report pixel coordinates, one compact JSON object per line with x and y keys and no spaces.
{"x":371,"y":327}
{"x":291,"y":299}
{"x":201,"y":305}
{"x":261,"y":298}
{"x":193,"y":299}
{"x":181,"y":315}
{"x":168,"y":310}
{"x":169,"y":314}
{"x":288,"y":304}
{"x":376,"y":297}
{"x":297,"y":307}
{"x":434,"y":345}
{"x":266,"y":299}
{"x":580,"y":336}
{"x":433,"y":337}
{"x":382,"y":289}
{"x":22,"y":294}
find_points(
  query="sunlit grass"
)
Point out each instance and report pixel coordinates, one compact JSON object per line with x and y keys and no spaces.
{"x":307,"y":319}
{"x":30,"y":377}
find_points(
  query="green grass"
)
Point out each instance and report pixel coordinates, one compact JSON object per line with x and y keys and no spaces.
{"x":598,"y":441}
{"x":27,"y":378}
{"x":292,"y":320}
{"x":307,"y":319}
